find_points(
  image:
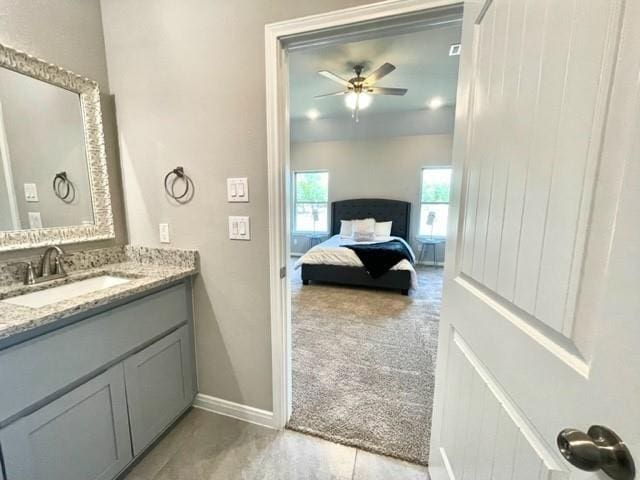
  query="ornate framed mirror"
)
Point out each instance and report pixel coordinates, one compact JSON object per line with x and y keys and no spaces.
{"x":54,"y":186}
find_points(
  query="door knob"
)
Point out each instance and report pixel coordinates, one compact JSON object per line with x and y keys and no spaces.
{"x":598,"y":449}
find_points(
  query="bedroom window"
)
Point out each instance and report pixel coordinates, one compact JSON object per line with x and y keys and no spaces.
{"x":434,"y":202}
{"x":311,"y":202}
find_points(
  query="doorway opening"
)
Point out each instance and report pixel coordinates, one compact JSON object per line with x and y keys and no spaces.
{"x":360,"y":220}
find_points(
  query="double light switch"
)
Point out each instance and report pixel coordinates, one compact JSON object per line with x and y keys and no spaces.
{"x":31,"y":192}
{"x":237,"y":189}
{"x":239,"y":228}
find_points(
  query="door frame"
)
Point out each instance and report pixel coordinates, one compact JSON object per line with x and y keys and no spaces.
{"x":278,"y":40}
{"x":5,"y":160}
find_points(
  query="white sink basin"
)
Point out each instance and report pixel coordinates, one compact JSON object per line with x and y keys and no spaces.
{"x":51,"y":295}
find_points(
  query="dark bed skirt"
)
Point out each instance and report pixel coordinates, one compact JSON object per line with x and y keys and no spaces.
{"x":393,"y":279}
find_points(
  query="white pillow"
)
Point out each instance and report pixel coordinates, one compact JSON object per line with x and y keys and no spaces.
{"x":346,"y":228}
{"x":367,"y":225}
{"x":364,"y":236}
{"x":383,"y":229}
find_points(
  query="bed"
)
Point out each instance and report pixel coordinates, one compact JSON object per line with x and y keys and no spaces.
{"x":337,"y":270}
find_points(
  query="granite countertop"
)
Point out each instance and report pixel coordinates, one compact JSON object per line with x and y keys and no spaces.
{"x":146,"y":268}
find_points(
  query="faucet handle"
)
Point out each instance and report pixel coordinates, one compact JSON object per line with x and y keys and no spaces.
{"x":29,"y":273}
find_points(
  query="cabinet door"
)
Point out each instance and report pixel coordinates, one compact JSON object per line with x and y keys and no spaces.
{"x":159,"y":386}
{"x":83,"y":435}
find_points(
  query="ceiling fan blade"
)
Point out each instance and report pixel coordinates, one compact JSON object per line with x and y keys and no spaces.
{"x":335,"y":78}
{"x":382,"y":71}
{"x":334,"y":94}
{"x":386,"y":91}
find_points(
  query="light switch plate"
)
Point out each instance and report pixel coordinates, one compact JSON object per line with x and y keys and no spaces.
{"x":35,"y":220}
{"x":30,"y":192}
{"x":238,"y":189}
{"x":165,"y":236}
{"x":239,"y":228}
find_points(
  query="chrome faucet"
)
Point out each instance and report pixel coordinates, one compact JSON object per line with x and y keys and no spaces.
{"x":47,"y":270}
{"x":57,"y":269}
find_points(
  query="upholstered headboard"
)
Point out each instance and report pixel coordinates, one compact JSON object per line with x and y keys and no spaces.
{"x":382,"y":210}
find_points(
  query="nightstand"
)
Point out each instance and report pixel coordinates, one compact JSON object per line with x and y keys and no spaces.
{"x":315,"y":238}
{"x":427,"y":242}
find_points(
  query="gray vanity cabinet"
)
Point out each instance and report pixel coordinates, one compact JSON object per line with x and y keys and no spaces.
{"x":159,"y":386}
{"x":83,"y":435}
{"x":83,"y":401}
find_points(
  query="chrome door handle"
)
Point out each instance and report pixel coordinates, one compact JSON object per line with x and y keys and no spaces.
{"x":598,"y":449}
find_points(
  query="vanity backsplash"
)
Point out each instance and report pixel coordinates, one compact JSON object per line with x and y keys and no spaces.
{"x":12,"y":271}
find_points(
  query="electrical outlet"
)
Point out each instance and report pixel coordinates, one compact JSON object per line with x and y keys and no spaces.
{"x":35,"y":220}
{"x":165,"y":237}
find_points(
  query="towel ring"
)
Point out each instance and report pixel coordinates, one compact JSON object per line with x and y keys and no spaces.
{"x":169,"y":187}
{"x":63,"y":188}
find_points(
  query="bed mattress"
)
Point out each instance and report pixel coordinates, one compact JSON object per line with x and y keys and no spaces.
{"x":333,"y":252}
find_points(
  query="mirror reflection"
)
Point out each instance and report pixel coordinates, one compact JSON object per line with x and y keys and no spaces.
{"x":44,"y":176}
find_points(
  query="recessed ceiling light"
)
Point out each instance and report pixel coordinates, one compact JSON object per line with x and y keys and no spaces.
{"x":435,"y":103}
{"x":454,"y":50}
{"x":313,"y":114}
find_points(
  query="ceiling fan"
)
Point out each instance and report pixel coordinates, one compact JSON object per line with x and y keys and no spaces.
{"x":359,"y":87}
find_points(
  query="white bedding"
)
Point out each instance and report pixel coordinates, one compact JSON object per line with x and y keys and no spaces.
{"x":333,"y":252}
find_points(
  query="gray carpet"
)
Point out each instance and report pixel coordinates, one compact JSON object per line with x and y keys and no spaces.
{"x":363,"y":365}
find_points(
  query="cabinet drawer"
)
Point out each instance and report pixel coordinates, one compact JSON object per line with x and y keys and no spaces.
{"x":40,"y":367}
{"x":159,"y":386}
{"x":83,"y":435}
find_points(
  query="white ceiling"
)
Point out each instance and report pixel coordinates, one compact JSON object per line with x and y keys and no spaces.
{"x":422,"y":61}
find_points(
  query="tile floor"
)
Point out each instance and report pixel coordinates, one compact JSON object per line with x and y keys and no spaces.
{"x":206,"y":446}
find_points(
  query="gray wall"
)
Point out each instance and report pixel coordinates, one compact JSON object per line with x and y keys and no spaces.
{"x":45,"y":135}
{"x":69,"y":34}
{"x":376,"y":168}
{"x":189,"y":82}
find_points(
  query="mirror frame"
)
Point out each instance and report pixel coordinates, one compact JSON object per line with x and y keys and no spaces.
{"x":89,"y":93}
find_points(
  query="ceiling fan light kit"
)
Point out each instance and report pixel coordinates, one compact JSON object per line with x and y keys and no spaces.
{"x":362,"y":100}
{"x":359,"y":89}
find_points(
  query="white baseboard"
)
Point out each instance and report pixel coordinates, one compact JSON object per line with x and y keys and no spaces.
{"x":430,"y":264}
{"x":439,"y":473}
{"x":443,"y":470}
{"x":234,"y":410}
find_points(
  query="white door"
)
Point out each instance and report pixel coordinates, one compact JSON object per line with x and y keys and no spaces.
{"x":540,"y":323}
